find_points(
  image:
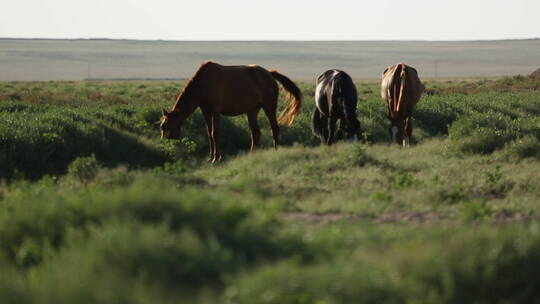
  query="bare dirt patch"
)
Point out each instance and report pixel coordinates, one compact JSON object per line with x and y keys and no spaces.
{"x":319,"y":218}
{"x":408,"y":217}
{"x":508,"y":216}
{"x":393,"y":217}
{"x":385,"y":218}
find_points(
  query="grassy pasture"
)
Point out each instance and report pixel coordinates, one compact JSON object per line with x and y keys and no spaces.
{"x":95,"y":208}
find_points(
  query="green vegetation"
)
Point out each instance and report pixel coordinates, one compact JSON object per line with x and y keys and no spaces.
{"x":95,"y":208}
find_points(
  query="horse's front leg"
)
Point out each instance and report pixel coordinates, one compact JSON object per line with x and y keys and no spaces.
{"x":208,"y":119}
{"x":215,"y":137}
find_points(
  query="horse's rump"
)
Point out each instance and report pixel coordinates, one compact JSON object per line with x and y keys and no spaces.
{"x":400,"y":89}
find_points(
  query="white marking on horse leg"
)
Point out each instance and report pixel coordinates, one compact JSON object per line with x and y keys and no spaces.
{"x":394,"y":133}
{"x":406,"y":142}
{"x":355,"y":138}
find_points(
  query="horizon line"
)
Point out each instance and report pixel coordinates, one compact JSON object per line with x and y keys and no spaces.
{"x":270,"y":40}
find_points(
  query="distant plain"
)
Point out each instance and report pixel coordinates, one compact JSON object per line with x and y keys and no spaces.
{"x":41,"y":60}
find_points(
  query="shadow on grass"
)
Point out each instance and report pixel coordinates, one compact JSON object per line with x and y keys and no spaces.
{"x":51,"y":154}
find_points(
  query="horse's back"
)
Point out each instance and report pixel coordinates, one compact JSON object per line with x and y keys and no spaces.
{"x":239,"y":76}
{"x":253,"y":81}
{"x":235,"y":89}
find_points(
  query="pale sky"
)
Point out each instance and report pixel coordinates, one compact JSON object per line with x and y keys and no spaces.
{"x":271,"y":19}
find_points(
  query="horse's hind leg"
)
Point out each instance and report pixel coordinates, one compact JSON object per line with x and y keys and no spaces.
{"x":271,"y":114}
{"x":324,"y":123}
{"x":340,"y":131}
{"x":215,"y":137}
{"x":208,"y":119}
{"x":254,"y":127}
{"x":408,"y":132}
{"x":332,"y":130}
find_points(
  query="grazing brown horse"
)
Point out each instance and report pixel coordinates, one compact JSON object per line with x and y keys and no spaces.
{"x":232,"y":90}
{"x":401,"y":90}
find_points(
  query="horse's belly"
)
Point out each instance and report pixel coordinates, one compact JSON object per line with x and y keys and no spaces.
{"x":239,"y":107}
{"x":232,"y":113}
{"x":238,"y":111}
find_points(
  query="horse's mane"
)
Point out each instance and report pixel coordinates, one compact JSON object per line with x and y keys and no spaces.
{"x":190,"y":86}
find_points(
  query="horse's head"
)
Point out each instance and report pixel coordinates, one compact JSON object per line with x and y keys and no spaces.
{"x":170,"y":125}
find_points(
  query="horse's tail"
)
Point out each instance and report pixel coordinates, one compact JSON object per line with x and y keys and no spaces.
{"x":316,"y":123}
{"x":291,"y":111}
{"x":403,"y":80}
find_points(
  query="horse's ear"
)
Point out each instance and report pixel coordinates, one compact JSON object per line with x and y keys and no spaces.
{"x":164,"y":112}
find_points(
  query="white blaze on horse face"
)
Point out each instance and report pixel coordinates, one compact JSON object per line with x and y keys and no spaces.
{"x":394,"y":133}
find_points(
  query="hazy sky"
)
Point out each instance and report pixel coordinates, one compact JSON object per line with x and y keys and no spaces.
{"x":271,"y":19}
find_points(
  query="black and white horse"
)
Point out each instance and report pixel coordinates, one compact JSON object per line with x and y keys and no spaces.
{"x":335,"y":99}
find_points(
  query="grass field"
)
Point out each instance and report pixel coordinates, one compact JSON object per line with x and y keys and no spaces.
{"x":95,"y":208}
{"x":81,"y":59}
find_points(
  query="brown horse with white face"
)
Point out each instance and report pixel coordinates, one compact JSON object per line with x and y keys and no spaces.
{"x":232,"y":90}
{"x":401,"y":90}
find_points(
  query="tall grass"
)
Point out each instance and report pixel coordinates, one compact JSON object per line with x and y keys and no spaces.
{"x":95,"y":208}
{"x":45,"y":126}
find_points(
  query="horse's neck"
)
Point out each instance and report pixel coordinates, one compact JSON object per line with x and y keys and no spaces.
{"x":185,"y":108}
{"x":186,"y":105}
{"x":188,"y":101}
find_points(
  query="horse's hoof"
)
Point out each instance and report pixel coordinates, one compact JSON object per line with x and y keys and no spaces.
{"x":216,"y":159}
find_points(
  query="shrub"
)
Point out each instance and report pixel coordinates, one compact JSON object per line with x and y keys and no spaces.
{"x":84,"y":169}
{"x":524,"y":147}
{"x":435,"y":114}
{"x":403,"y":179}
{"x":332,"y":282}
{"x":466,"y":265}
{"x":490,"y":124}
{"x":46,"y":139}
{"x":482,"y":133}
{"x":32,"y":229}
{"x":475,"y":210}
